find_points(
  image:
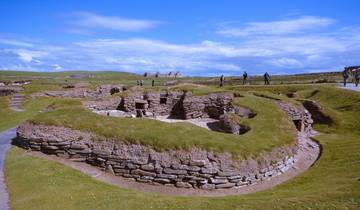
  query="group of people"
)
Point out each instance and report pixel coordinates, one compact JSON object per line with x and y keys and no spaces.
{"x":141,"y":83}
{"x":266,"y":76}
{"x":355,"y":72}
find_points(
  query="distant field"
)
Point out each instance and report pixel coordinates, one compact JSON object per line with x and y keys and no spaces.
{"x":95,"y":76}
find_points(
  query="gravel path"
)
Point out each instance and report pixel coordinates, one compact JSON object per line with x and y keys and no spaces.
{"x":350,"y":86}
{"x":5,"y":139}
{"x":308,"y":153}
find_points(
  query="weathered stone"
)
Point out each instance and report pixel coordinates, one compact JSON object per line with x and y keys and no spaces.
{"x":235,"y":180}
{"x":207,"y":187}
{"x":104,"y":153}
{"x":209,"y":170}
{"x":226,"y":185}
{"x":143,"y":173}
{"x":179,"y":167}
{"x":132,"y":166}
{"x":109,"y":169}
{"x":240,"y":184}
{"x":162,"y":180}
{"x":234,"y":177}
{"x":183,"y":185}
{"x":227,"y":173}
{"x":144,"y":180}
{"x":174,"y":171}
{"x":78,"y":146}
{"x":46,"y":147}
{"x":166,"y":176}
{"x":193,"y":168}
{"x":197,"y":162}
{"x":218,"y":181}
{"x":148,"y":167}
{"x":121,"y":171}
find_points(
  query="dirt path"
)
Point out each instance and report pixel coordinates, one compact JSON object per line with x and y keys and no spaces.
{"x":16,"y":101}
{"x":350,"y":86}
{"x":5,"y":139}
{"x":308,"y":153}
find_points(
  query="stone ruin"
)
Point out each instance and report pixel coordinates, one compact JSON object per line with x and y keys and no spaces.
{"x":176,"y":105}
{"x":197,"y":168}
{"x":6,"y":90}
{"x":179,"y":105}
{"x":82,"y":91}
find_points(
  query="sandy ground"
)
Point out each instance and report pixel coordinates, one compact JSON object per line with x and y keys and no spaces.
{"x":308,"y":153}
{"x":5,"y":139}
{"x":208,"y":123}
{"x":350,"y":86}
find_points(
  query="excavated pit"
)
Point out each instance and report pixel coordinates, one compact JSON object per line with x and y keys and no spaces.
{"x":316,"y":111}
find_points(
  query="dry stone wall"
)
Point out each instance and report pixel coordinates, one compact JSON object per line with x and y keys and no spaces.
{"x":196,"y":168}
{"x":178,"y":104}
{"x":213,"y":105}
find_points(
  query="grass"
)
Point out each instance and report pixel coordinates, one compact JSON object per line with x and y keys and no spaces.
{"x":269,"y":129}
{"x":11,"y":118}
{"x":332,"y":183}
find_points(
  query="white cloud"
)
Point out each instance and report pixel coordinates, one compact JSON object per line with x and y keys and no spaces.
{"x":277,"y":27}
{"x":15,"y":42}
{"x":286,"y":63}
{"x":289,"y":53}
{"x":29,"y":55}
{"x":57,"y":67}
{"x":83,"y":22}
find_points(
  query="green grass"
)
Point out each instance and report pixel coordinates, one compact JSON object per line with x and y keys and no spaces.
{"x":10,"y":118}
{"x":332,"y":183}
{"x":269,"y":129}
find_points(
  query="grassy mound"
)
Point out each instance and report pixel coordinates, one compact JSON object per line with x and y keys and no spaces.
{"x":269,"y":129}
{"x":332,"y":183}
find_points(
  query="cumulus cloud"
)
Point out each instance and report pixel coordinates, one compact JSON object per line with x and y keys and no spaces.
{"x":84,"y":22}
{"x":277,"y":27}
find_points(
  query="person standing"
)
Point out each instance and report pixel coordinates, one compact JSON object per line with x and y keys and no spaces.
{"x":267,"y":78}
{"x":141,"y":82}
{"x":245,"y":75}
{"x":153,"y":83}
{"x":357,"y":77}
{"x":345,"y":75}
{"x":222,"y":81}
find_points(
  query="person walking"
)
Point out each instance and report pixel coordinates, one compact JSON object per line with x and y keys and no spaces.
{"x":222,"y":81}
{"x":141,"y":82}
{"x":245,"y":75}
{"x":357,"y":77}
{"x":267,"y":78}
{"x":345,"y":75}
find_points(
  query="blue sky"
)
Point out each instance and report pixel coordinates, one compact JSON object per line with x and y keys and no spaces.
{"x":194,"y":37}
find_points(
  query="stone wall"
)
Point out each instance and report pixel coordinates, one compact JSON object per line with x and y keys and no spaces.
{"x":179,"y":104}
{"x":196,"y":168}
{"x":301,"y":117}
{"x":212,"y":105}
{"x":6,"y":91}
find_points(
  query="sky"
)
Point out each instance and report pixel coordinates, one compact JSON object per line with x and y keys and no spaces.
{"x":197,"y":38}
